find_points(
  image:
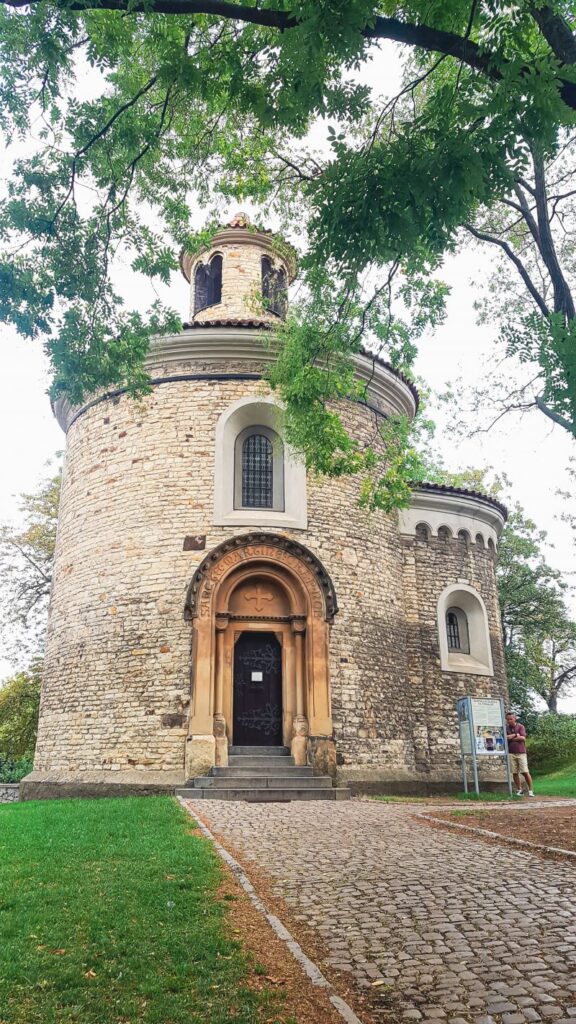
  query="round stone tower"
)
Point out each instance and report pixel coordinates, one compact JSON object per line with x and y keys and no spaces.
{"x":206,"y":592}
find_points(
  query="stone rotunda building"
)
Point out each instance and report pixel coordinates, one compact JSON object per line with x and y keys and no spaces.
{"x":209,"y":596}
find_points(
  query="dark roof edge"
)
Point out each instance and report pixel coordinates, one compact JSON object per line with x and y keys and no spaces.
{"x":446,"y":489}
{"x":229,"y":322}
{"x":392,"y":369}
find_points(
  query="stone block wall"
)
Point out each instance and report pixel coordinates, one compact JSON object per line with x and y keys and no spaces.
{"x":9,"y":792}
{"x":430,"y":566}
{"x":138,"y":481}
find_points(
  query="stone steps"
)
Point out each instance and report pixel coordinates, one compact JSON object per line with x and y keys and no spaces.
{"x":267,"y":781}
{"x":287,"y":770}
{"x":261,"y":795}
{"x":261,"y":774}
{"x":264,"y":761}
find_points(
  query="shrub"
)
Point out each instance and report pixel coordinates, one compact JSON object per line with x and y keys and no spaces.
{"x":19,"y":704}
{"x":552,"y":742}
{"x":13,"y":771}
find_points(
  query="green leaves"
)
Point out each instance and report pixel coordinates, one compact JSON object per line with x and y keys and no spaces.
{"x":137,"y":118}
{"x":539,"y":636}
{"x":315,"y":376}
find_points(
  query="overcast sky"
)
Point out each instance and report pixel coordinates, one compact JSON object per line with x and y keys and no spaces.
{"x":533,"y":453}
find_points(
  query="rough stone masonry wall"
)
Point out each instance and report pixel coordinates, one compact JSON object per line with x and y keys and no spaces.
{"x":9,"y":793}
{"x":139,"y":479}
{"x":430,"y":566}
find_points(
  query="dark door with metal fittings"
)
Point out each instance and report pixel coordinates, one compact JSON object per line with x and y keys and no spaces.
{"x":258,"y":690}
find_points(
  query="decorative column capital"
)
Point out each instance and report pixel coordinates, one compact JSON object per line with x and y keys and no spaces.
{"x":221,"y":621}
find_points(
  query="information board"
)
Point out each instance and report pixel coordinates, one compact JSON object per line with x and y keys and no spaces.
{"x":488,"y":726}
{"x":482,"y":729}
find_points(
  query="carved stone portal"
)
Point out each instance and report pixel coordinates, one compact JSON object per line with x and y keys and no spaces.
{"x":265,"y":584}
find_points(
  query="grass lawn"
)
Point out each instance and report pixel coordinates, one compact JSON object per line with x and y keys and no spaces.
{"x":559,"y":783}
{"x":109,"y":914}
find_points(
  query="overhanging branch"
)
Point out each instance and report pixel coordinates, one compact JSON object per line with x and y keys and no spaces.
{"x":482,"y":236}
{"x":424,"y":36}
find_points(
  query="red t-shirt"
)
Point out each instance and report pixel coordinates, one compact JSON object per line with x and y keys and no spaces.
{"x":517,"y":746}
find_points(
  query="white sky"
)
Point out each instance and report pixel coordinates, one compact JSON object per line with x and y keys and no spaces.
{"x":533,"y":453}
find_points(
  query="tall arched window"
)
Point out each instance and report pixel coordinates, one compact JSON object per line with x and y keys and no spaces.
{"x":256,"y":416}
{"x":258,"y":469}
{"x":208,"y":284}
{"x":274,"y":287}
{"x":257,"y":472}
{"x":457,"y":631}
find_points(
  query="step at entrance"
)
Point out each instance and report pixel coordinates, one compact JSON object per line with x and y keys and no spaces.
{"x":262,"y":774}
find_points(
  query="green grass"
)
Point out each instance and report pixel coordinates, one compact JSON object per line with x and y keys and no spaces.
{"x":487,"y":797}
{"x":559,"y":783}
{"x":109,"y":914}
{"x":399,"y":799}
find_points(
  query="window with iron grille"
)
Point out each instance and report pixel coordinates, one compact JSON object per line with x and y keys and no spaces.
{"x":453,"y":631}
{"x":457,"y":630}
{"x":257,"y":472}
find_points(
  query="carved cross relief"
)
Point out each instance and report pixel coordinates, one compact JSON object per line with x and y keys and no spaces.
{"x":258,"y":595}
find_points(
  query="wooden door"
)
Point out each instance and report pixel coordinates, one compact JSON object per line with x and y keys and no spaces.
{"x":257,"y":690}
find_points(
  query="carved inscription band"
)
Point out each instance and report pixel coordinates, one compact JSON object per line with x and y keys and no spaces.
{"x":270,"y":547}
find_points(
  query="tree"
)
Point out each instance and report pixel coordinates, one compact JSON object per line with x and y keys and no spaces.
{"x":539,"y":636}
{"x":553,"y":655}
{"x":532,"y":234}
{"x":19,"y":706}
{"x":26,"y":560}
{"x":207,"y":99}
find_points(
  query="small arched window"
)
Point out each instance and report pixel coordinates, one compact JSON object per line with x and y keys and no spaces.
{"x":259,"y":469}
{"x":464,"y":631}
{"x":457,"y":631}
{"x":274,"y":287}
{"x":208,"y":284}
{"x":422,"y":532}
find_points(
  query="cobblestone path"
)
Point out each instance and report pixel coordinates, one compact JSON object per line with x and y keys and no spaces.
{"x":463,"y":930}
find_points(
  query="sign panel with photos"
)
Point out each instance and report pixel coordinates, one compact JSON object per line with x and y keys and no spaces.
{"x":482,"y":728}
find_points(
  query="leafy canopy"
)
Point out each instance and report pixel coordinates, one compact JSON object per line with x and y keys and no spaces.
{"x":137,"y":111}
{"x":539,"y":634}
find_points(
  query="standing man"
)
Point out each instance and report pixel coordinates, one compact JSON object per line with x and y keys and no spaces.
{"x":516,"y":736}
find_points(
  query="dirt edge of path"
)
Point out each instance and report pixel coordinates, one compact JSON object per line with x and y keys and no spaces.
{"x":546,"y":852}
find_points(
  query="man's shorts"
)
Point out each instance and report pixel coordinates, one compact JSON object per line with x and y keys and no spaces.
{"x":518,"y":763}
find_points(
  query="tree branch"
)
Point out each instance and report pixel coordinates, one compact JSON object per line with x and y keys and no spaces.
{"x":424,"y":36}
{"x":563,"y":677}
{"x":555,"y":416}
{"x":494,"y":240}
{"x":563,"y":301}
{"x":556,"y":32}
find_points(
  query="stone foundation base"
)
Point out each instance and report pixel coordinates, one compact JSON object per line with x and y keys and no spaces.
{"x":379,"y":782}
{"x":66,"y":785}
{"x":9,"y":792}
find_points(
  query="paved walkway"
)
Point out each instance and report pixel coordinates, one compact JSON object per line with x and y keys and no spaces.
{"x":461,"y":929}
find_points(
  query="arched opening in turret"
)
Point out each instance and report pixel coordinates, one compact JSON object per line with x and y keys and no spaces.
{"x":274,"y":288}
{"x":208,"y":284}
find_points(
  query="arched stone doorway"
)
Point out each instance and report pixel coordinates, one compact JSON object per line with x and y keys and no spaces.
{"x":261,"y":607}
